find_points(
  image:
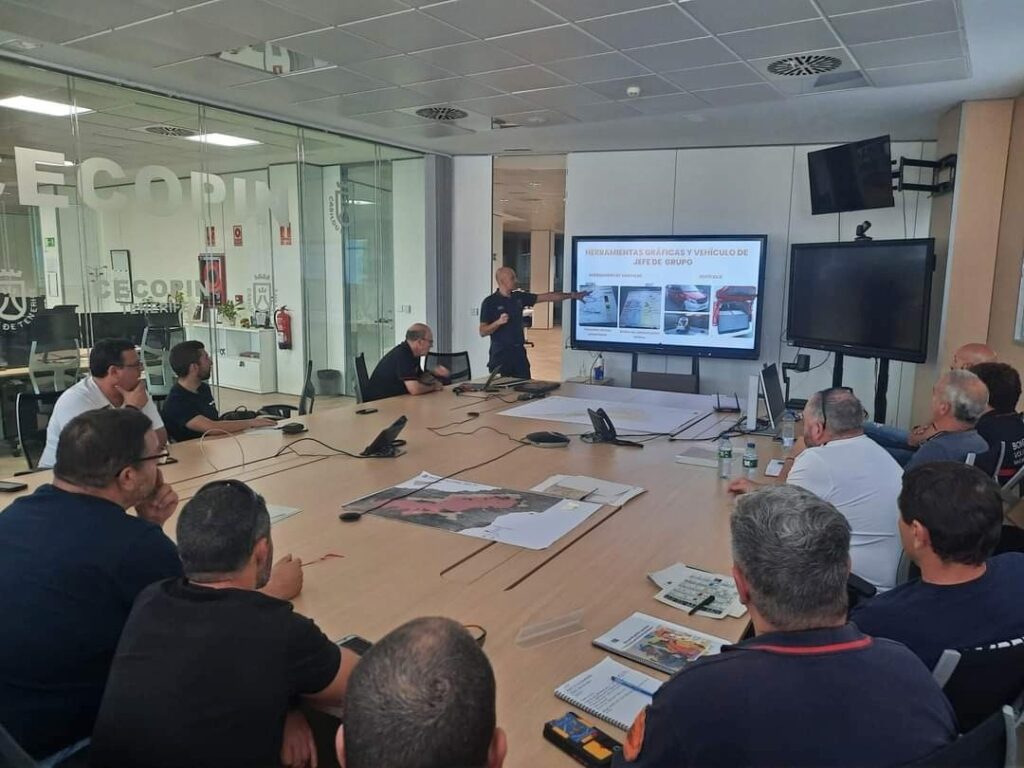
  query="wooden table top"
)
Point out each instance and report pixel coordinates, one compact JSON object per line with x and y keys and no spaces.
{"x":392,"y":572}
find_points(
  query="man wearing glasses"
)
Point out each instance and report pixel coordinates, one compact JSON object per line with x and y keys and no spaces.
{"x":399,"y":371}
{"x":116,"y":382}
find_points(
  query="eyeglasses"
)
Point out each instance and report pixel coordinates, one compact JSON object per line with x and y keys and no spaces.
{"x":157,"y":456}
{"x":478,"y":633}
{"x":137,"y":366}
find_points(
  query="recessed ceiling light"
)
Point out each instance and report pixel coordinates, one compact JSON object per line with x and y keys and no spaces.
{"x":360,"y":202}
{"x":223,"y":140}
{"x":20,"y":45}
{"x":42,"y":107}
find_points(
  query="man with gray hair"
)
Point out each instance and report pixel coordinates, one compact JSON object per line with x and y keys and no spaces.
{"x":853,"y":473}
{"x":399,"y":371}
{"x":958,"y":399}
{"x":808,"y":687}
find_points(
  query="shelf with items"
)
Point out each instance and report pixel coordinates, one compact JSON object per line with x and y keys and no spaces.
{"x":243,"y":358}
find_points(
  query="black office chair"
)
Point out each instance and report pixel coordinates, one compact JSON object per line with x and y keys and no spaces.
{"x":859,"y":589}
{"x":456,"y":362}
{"x":363,"y":394}
{"x":13,"y":756}
{"x":978,"y":681}
{"x":306,"y":399}
{"x":991,"y":744}
{"x":33,"y":415}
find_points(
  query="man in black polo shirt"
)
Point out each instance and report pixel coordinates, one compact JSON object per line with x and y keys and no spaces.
{"x":501,"y":318}
{"x":189,"y":410}
{"x":1001,"y":425}
{"x":808,"y":689}
{"x":73,"y":561}
{"x":209,"y":671}
{"x":399,"y":371}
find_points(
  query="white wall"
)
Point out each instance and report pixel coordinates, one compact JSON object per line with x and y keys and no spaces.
{"x":409,"y":240}
{"x":746,"y":190}
{"x":471,"y":254}
{"x":542,"y":273}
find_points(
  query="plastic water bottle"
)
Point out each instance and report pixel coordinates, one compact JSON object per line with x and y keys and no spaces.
{"x":724,"y":458}
{"x":750,"y":461}
{"x":599,"y":368}
{"x":788,"y":429}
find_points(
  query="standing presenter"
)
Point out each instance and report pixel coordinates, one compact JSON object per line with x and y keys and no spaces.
{"x":501,"y":318}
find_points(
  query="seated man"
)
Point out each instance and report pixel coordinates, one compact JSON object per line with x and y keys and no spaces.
{"x":208,"y":668}
{"x":950,"y":521}
{"x":423,"y":697}
{"x":399,"y":371}
{"x":189,"y":410}
{"x":958,"y":399}
{"x":853,"y":473}
{"x":1000,"y":425}
{"x":73,"y":562}
{"x":901,"y":443}
{"x":115,"y":383}
{"x":808,"y":688}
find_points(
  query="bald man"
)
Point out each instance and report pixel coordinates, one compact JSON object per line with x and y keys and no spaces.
{"x":501,"y":318}
{"x":399,"y":371}
{"x":901,"y":443}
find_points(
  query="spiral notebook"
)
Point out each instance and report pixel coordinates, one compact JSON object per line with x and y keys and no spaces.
{"x":611,"y":691}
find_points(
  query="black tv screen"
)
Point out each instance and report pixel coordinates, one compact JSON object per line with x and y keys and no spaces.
{"x":851,"y":177}
{"x":868,"y":299}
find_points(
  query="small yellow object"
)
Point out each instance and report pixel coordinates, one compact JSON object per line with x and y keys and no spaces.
{"x":597,"y":750}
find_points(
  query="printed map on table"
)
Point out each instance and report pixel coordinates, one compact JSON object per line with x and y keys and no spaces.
{"x":522,"y":518}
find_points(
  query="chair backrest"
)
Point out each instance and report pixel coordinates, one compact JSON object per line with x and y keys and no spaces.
{"x":33,"y":414}
{"x":54,"y":365}
{"x":1011,"y":489}
{"x":456,"y":362}
{"x":906,"y":569}
{"x":978,"y":681}
{"x":665,"y":382}
{"x":362,"y":380}
{"x":308,"y":391}
{"x":11,"y":753}
{"x":991,"y":744}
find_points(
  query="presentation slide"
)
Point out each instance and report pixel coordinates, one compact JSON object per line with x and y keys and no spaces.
{"x":660,"y":295}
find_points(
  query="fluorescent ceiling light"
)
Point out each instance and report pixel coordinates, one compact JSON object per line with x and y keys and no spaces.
{"x":42,"y":107}
{"x":223,"y":140}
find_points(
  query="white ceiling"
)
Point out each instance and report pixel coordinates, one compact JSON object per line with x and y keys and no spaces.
{"x":558,"y":68}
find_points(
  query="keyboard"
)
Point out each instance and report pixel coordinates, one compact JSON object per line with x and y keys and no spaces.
{"x":535,"y":387}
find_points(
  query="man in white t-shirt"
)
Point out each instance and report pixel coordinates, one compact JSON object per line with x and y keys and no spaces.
{"x":856,"y":475}
{"x":115,"y":383}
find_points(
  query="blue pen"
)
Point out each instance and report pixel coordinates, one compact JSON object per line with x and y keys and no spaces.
{"x":631,"y":686}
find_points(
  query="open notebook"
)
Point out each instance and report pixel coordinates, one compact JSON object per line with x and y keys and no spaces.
{"x":611,"y":691}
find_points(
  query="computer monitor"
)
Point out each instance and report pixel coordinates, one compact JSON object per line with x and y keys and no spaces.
{"x":384,"y":444}
{"x":771,"y":389}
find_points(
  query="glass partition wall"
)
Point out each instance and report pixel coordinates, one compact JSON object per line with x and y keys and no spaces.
{"x":123,"y":213}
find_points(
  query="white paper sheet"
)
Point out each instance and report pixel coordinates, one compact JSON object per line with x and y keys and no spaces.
{"x":592,"y":489}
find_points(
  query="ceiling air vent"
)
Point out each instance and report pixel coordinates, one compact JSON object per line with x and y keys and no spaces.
{"x":801,"y":66}
{"x":442,"y":114}
{"x":169,"y":130}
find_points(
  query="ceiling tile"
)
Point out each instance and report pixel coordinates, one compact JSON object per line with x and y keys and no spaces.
{"x":433,"y":130}
{"x":335,"y":12}
{"x":336,"y":46}
{"x":718,"y":76}
{"x":216,"y":72}
{"x":778,"y":41}
{"x":574,"y":10}
{"x":24,"y":20}
{"x":592,"y":69}
{"x":102,"y":15}
{"x":126,"y":47}
{"x":605,"y":110}
{"x":663,"y":24}
{"x":526,"y":78}
{"x":252,"y":17}
{"x":563,"y":97}
{"x":741,"y":94}
{"x":190,"y":34}
{"x":497,"y":105}
{"x":285,"y":89}
{"x":408,"y":31}
{"x":452,"y":89}
{"x":911,"y":74}
{"x":337,"y":81}
{"x":469,"y":58}
{"x":375,"y":101}
{"x":545,"y":45}
{"x":392,"y":119}
{"x":833,"y":7}
{"x":702,"y":52}
{"x":488,"y":18}
{"x":892,"y":23}
{"x":400,"y":70}
{"x":674,"y":102}
{"x":911,"y":50}
{"x":537,"y":118}
{"x":731,"y":15}
{"x":649,"y":86}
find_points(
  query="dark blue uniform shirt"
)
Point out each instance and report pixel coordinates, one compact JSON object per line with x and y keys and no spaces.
{"x":507,"y":350}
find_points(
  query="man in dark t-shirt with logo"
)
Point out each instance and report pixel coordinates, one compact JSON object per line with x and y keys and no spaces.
{"x":501,"y":318}
{"x":399,"y":371}
{"x":190,"y":410}
{"x":1001,"y":426}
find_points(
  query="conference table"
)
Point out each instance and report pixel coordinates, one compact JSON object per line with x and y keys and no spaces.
{"x":541,"y":608}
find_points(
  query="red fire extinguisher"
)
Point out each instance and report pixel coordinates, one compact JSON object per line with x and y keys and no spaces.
{"x":283,"y":321}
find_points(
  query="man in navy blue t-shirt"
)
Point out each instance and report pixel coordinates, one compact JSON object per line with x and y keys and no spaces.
{"x":809,"y":689}
{"x":73,"y":562}
{"x":950,"y":521}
